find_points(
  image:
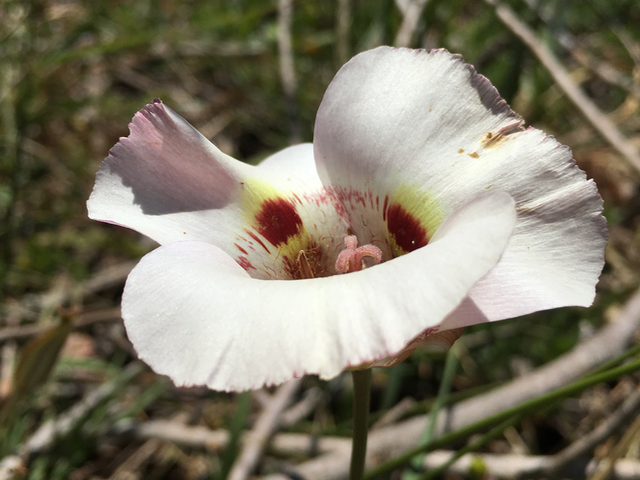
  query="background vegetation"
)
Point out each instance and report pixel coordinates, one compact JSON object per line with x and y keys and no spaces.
{"x":73,"y":73}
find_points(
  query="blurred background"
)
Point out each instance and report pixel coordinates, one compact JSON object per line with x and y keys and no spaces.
{"x":250,"y":74}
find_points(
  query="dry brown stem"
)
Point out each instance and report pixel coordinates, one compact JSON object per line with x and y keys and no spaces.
{"x":585,"y":444}
{"x":601,"y":68}
{"x":216,"y":440}
{"x":607,"y":465}
{"x":287,"y":71}
{"x":394,"y":414}
{"x":569,"y":463}
{"x":127,"y":469}
{"x":301,"y":409}
{"x":257,"y":439}
{"x":45,"y":436}
{"x":519,"y":466}
{"x":411,"y":12}
{"x":597,"y":119}
{"x":106,"y":278}
{"x":83,"y":320}
{"x":30,"y":307}
{"x":343,"y":30}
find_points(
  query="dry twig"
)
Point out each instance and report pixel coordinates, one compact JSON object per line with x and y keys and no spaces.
{"x":343,"y":29}
{"x":598,"y":119}
{"x":176,"y":432}
{"x":287,"y":71}
{"x":216,"y":440}
{"x":607,"y":465}
{"x":601,"y":68}
{"x":7,"y":362}
{"x":83,"y":320}
{"x":294,"y":444}
{"x":296,"y":412}
{"x":301,"y":409}
{"x":258,"y":438}
{"x":11,"y":468}
{"x":411,"y":12}
{"x":135,"y":461}
{"x":394,"y":414}
{"x":589,"y":442}
{"x":520,"y":466}
{"x":30,"y":307}
{"x":44,"y":437}
{"x":106,"y":278}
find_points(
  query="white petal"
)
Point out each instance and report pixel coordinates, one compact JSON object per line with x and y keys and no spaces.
{"x":170,"y":183}
{"x":397,"y":119}
{"x":164,"y":178}
{"x":192,"y":313}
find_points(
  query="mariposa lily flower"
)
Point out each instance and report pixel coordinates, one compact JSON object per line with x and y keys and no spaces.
{"x":422,"y":206}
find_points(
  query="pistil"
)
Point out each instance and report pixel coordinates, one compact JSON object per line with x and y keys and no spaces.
{"x":351,"y":259}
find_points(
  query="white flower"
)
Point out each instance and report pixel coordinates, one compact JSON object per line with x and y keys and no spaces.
{"x":417,"y":163}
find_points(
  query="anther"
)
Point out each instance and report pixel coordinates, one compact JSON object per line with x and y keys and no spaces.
{"x":303,"y":265}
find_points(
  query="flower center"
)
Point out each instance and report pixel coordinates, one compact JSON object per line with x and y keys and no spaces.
{"x":351,"y":259}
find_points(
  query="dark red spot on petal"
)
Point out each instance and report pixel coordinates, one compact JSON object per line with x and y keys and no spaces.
{"x":240,"y":248}
{"x":406,"y":229}
{"x":384,"y":208}
{"x":278,"y":220}
{"x":244,"y":263}
{"x":253,"y":235}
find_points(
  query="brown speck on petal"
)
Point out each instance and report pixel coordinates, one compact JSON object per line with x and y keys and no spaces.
{"x":492,"y":140}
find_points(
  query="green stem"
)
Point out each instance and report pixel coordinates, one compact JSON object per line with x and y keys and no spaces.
{"x":450,"y":367}
{"x":524,"y":407}
{"x":361,"y":396}
{"x":243,"y":409}
{"x":614,"y":362}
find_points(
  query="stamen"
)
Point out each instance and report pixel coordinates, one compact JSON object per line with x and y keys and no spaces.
{"x":351,"y":259}
{"x":303,"y":265}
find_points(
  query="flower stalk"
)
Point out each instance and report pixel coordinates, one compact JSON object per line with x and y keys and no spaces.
{"x":361,"y":400}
